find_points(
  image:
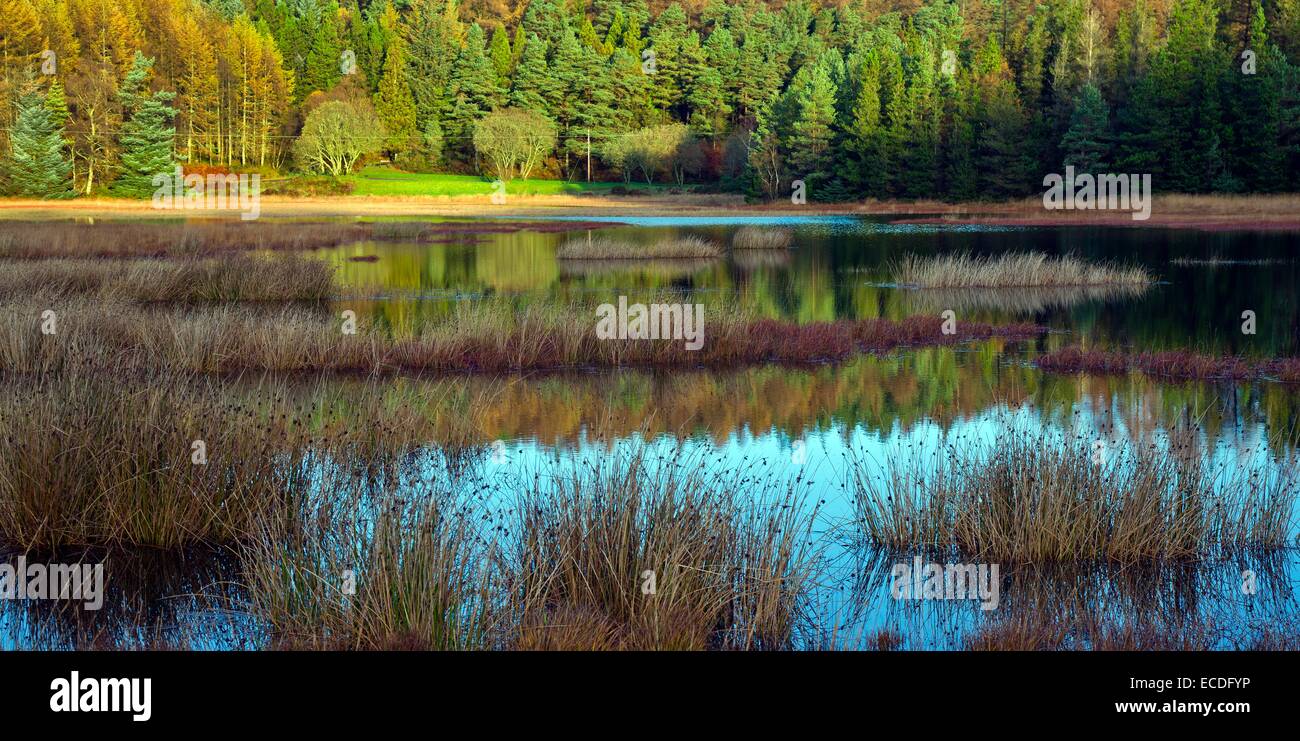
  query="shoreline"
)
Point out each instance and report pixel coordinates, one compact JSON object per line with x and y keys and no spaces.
{"x":1264,"y":213}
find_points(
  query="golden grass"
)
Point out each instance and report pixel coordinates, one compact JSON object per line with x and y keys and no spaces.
{"x":398,"y":564}
{"x":489,"y":335}
{"x":236,"y":278}
{"x":755,"y":238}
{"x":606,"y":248}
{"x":87,"y":459}
{"x":730,"y":560}
{"x":964,"y":270}
{"x":1034,"y":497}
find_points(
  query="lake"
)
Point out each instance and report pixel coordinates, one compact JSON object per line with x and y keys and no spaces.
{"x":808,"y":427}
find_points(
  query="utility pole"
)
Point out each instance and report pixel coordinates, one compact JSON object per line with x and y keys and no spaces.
{"x":589,"y":155}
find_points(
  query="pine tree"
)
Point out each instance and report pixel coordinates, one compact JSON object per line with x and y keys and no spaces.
{"x":472,"y":92}
{"x":37,"y":165}
{"x":502,"y":58}
{"x":1085,"y":145}
{"x":147,"y":135}
{"x":807,"y":120}
{"x":394,"y":103}
{"x":533,"y":84}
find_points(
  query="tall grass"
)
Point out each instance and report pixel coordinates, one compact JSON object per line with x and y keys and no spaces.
{"x":754,"y":238}
{"x":730,"y":561}
{"x":964,"y":270}
{"x":229,"y":279}
{"x":606,"y":248}
{"x":92,"y":460}
{"x":1036,"y":497}
{"x":492,"y":335}
{"x":397,"y":564}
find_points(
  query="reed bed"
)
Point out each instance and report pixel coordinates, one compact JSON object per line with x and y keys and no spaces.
{"x":606,"y":248}
{"x":415,"y":562}
{"x":755,"y":238}
{"x":730,"y":559}
{"x":238,"y":278}
{"x":481,"y":336}
{"x":399,"y":564}
{"x":44,"y":240}
{"x":89,"y":460}
{"x":1037,"y":497}
{"x":1015,"y":270}
{"x":1177,"y":364}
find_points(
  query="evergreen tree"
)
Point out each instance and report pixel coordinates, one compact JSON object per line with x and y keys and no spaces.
{"x":147,"y":135}
{"x":472,"y":92}
{"x":807,"y":111}
{"x":394,"y":103}
{"x":1086,"y":144}
{"x":37,"y":165}
{"x":533,"y":84}
{"x":502,"y":59}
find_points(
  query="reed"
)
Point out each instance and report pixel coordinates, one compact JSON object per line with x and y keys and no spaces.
{"x":481,"y":336}
{"x":671,"y":553}
{"x":964,"y":270}
{"x":400,"y":563}
{"x":1037,"y":497}
{"x":606,"y":248}
{"x":755,"y":238}
{"x":240,"y":278}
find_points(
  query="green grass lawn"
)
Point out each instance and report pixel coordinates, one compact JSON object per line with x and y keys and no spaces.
{"x":383,"y":181}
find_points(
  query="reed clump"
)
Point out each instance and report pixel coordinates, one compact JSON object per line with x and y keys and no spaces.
{"x":230,"y":279}
{"x":170,"y":460}
{"x":606,"y":248}
{"x":756,"y":238}
{"x":632,"y":552}
{"x":401,"y":563}
{"x":964,"y":270}
{"x":1038,"y":497}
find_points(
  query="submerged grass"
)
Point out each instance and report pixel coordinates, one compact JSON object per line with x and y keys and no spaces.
{"x":605,"y":248}
{"x":964,"y":270}
{"x":1178,"y":364}
{"x":1035,"y":497}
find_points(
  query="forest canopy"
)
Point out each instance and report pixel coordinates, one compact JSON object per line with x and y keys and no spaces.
{"x":901,"y":99}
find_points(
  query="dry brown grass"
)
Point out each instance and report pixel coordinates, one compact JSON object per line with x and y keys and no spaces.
{"x":489,"y":335}
{"x":730,"y":562}
{"x":1033,"y":497}
{"x":235,"y":278}
{"x":755,"y":238}
{"x":1016,"y":270}
{"x":88,"y":459}
{"x":606,"y":248}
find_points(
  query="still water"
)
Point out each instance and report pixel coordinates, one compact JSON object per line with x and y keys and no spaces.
{"x":806,"y":425}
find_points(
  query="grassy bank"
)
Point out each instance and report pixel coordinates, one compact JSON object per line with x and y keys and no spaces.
{"x":480,"y":336}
